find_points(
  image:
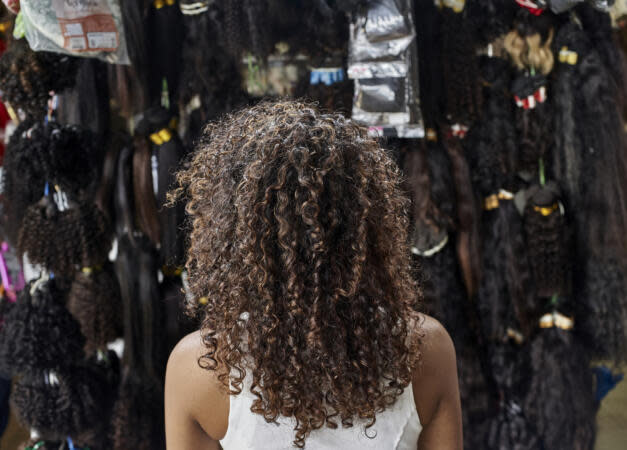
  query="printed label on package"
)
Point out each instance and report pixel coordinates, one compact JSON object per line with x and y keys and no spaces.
{"x":86,"y":25}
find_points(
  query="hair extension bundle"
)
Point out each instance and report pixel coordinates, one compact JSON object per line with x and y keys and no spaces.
{"x":106,"y":186}
{"x":210,"y":83}
{"x":39,"y":333}
{"x":130,"y":82}
{"x":467,"y":223}
{"x":337,"y":97}
{"x":164,"y":34}
{"x":137,"y":416}
{"x":547,"y":241}
{"x":567,"y":157}
{"x":430,"y":225}
{"x":157,"y":144}
{"x":598,"y":26}
{"x":505,"y":273}
{"x":91,"y":83}
{"x":99,"y":435}
{"x":28,"y":77}
{"x":94,"y":300}
{"x":529,"y":43}
{"x":460,"y":71}
{"x":490,"y":18}
{"x":246,"y":27}
{"x":62,"y":241}
{"x":533,"y":121}
{"x":61,"y":403}
{"x":428,"y":40}
{"x":596,"y":191}
{"x":24,"y":173}
{"x":561,"y":380}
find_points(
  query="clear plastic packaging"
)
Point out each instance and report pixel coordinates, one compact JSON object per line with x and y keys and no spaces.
{"x":383,"y":62}
{"x":88,"y":28}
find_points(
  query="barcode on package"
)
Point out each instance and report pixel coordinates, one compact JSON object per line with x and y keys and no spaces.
{"x":102,"y":40}
{"x":77,"y":43}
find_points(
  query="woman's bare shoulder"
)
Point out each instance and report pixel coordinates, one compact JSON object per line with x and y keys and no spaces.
{"x":193,"y":391}
{"x":436,"y":373}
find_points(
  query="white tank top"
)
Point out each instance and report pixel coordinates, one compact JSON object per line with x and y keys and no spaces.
{"x":396,"y":428}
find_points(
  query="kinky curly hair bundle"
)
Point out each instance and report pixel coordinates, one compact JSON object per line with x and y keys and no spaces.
{"x":318,"y":213}
{"x":64,"y":241}
{"x":547,"y":241}
{"x":62,"y":403}
{"x":28,"y":77}
{"x":38,"y":332}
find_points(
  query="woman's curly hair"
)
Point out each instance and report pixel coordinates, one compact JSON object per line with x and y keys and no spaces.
{"x":299,"y":243}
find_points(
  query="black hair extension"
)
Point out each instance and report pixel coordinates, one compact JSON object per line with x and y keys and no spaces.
{"x":164,"y":34}
{"x":39,"y":333}
{"x":460,"y":71}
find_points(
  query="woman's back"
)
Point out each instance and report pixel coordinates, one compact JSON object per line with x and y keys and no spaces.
{"x":298,"y":248}
{"x":396,"y":428}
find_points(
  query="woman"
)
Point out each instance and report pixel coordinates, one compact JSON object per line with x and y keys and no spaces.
{"x":298,"y":252}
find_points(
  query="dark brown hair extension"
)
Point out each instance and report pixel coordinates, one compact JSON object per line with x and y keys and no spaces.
{"x":429,"y":225}
{"x":104,"y":195}
{"x":598,"y":26}
{"x":130,"y":82}
{"x":28,"y":77}
{"x":137,"y":422}
{"x":62,"y":240}
{"x":598,"y":205}
{"x":145,"y":202}
{"x":467,"y":226}
{"x":318,"y":212}
{"x":94,"y":300}
{"x":460,"y":71}
{"x":547,"y":241}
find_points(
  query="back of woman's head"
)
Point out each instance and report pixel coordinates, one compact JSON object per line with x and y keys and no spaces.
{"x":298,"y":249}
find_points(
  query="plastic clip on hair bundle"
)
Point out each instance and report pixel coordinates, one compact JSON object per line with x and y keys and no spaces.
{"x":567,"y":56}
{"x":492,"y":201}
{"x":193,"y":9}
{"x":556,"y":320}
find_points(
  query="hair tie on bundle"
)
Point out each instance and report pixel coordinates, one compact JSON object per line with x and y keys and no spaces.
{"x":546,"y":210}
{"x":492,"y":201}
{"x":193,"y":9}
{"x":556,"y":320}
{"x":567,"y":56}
{"x":431,"y":251}
{"x":529,"y":90}
{"x":515,"y":335}
{"x":92,"y":269}
{"x":456,"y":5}
{"x":161,"y":137}
{"x":158,"y":4}
{"x":432,"y":135}
{"x":36,"y":446}
{"x":531,"y":6}
{"x":459,"y":130}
